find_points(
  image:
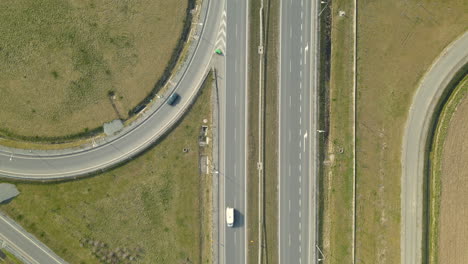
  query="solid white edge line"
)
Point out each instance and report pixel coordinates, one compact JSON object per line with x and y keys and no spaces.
{"x":279,"y":133}
{"x":246,"y":128}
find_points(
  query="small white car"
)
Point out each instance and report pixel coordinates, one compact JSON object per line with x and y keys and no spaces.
{"x":230,"y":216}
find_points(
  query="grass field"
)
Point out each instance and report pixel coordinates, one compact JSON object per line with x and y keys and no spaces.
{"x":448,"y":185}
{"x":154,"y":206}
{"x":397,"y":42}
{"x":62,"y":59}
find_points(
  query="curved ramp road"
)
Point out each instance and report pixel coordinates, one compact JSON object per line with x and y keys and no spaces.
{"x":453,"y":58}
{"x":50,"y":165}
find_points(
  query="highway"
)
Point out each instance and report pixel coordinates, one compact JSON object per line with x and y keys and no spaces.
{"x":70,"y":163}
{"x":297,"y":132}
{"x":414,"y":156}
{"x":233,"y":131}
{"x":19,"y":241}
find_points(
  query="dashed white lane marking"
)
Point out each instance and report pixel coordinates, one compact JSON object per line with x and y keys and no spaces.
{"x":300,"y":85}
{"x":301,"y":28}
{"x":290,"y":101}
{"x":300,"y":109}
{"x":300,"y":61}
{"x":300,"y":97}
{"x":300,"y":204}
{"x":300,"y":74}
{"x":235,"y":134}
{"x":300,"y":179}
{"x":289,"y":240}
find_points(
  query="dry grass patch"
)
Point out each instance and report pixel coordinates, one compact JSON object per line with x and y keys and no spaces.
{"x":397,"y":42}
{"x":62,"y":59}
{"x":154,"y":207}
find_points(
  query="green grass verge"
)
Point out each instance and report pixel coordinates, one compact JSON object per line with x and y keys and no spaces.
{"x":446,"y":114}
{"x":338,"y":183}
{"x":270,"y":92}
{"x":153,"y":207}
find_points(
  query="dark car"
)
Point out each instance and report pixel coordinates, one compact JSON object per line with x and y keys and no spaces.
{"x":173,"y":99}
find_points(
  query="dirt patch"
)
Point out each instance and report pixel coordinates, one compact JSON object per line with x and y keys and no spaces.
{"x":62,"y":59}
{"x":453,"y":234}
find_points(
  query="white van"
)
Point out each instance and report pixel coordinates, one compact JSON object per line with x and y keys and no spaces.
{"x":230,"y":216}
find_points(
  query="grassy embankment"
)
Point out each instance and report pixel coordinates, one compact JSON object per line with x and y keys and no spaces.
{"x":337,"y":184}
{"x":270,"y":92}
{"x":157,"y":207}
{"x":62,"y":59}
{"x":435,"y":182}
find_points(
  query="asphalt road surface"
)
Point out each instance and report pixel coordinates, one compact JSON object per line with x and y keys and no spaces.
{"x":233,"y":141}
{"x":452,"y":59}
{"x":31,"y":250}
{"x":297,"y":137}
{"x":43,"y":165}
